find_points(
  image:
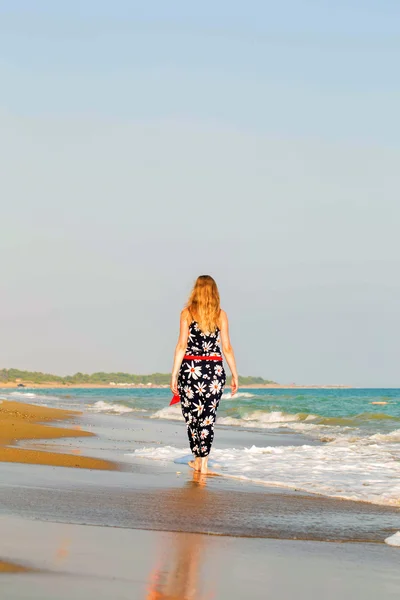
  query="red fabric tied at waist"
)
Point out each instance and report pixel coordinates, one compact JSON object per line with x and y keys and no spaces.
{"x":187,"y":357}
{"x":176,"y":398}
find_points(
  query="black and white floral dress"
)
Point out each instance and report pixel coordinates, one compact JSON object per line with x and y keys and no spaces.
{"x":200,"y":385}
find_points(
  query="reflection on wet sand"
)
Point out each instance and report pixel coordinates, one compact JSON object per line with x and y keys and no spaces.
{"x":177,"y":573}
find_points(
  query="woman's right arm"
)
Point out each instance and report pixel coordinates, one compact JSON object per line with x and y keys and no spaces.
{"x":180,"y":350}
{"x":228,"y":351}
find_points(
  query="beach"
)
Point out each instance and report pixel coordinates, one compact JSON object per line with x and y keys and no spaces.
{"x":136,"y":522}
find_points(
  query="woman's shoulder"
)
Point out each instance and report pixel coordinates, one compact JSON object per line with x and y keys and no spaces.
{"x":185,"y":315}
{"x":223,"y":317}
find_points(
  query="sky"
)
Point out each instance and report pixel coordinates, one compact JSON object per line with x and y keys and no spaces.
{"x":145,"y":143}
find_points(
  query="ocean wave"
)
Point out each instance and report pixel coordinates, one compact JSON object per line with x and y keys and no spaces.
{"x":118,"y":409}
{"x":300,"y":422}
{"x":264,"y":420}
{"x":173,"y":413}
{"x":251,"y":420}
{"x":393,"y":540}
{"x":393,"y":436}
{"x":356,"y":420}
{"x":228,"y":395}
{"x":28,"y":396}
{"x":368,"y":473}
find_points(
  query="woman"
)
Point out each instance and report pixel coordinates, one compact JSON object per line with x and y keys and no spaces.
{"x":198,"y":374}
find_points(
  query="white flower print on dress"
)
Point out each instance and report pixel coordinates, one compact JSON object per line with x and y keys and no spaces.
{"x":198,"y":408}
{"x":215,"y":386}
{"x":218,"y":369}
{"x":204,"y":433}
{"x":193,"y":371}
{"x":207,"y":346}
{"x":207,"y":421}
{"x":214,"y":405}
{"x":200,"y":388}
{"x":188,"y":391}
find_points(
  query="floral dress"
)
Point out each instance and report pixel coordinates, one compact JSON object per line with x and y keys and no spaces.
{"x":200,"y":385}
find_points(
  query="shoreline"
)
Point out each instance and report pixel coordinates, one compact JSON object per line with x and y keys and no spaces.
{"x":157,"y":495}
{"x":21,"y":422}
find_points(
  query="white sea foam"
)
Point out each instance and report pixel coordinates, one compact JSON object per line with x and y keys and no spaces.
{"x":394,"y":436}
{"x":366,"y":472}
{"x":264,"y":420}
{"x":173,"y":413}
{"x":259,"y":419}
{"x":256,"y":420}
{"x":28,"y":396}
{"x":228,"y":395}
{"x":114,"y":408}
{"x":161,"y":453}
{"x":393,"y":540}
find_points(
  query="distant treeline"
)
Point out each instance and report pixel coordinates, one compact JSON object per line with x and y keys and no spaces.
{"x":14,"y":375}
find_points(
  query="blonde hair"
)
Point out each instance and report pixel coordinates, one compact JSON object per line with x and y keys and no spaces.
{"x":204,"y":303}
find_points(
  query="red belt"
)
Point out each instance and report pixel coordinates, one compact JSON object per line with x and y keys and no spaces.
{"x":187,"y":357}
{"x":176,"y":398}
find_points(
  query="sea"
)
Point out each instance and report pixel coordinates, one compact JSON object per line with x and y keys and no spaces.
{"x":342,"y":443}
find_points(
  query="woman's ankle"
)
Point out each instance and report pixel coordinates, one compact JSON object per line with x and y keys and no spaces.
{"x":197,"y":463}
{"x":204,"y":464}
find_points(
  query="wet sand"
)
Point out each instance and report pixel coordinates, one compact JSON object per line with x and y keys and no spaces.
{"x":99,"y":563}
{"x":150,"y":496}
{"x":20,"y":422}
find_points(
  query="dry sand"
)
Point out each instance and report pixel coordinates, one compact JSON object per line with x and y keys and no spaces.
{"x":7,"y":567}
{"x":20,"y":421}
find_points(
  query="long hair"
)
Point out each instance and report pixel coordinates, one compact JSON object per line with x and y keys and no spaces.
{"x":204,"y":303}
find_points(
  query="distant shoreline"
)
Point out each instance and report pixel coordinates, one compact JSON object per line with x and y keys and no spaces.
{"x":254,"y":386}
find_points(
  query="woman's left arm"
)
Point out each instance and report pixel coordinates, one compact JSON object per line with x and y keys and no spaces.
{"x":180,"y":350}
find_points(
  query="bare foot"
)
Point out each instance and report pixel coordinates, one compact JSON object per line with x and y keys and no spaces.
{"x":195,"y":464}
{"x":204,"y":465}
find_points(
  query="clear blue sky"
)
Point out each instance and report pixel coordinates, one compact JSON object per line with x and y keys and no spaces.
{"x":144,"y":143}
